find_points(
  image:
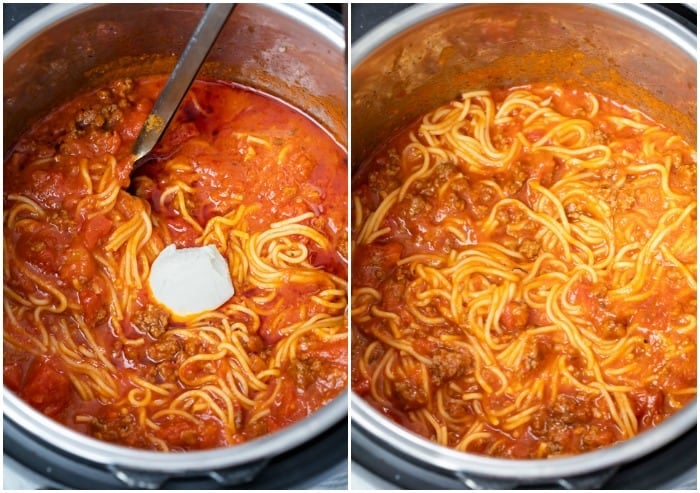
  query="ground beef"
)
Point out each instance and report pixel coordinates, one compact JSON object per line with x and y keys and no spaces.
{"x":189,"y":437}
{"x":612,"y":329}
{"x":483,"y":198}
{"x":597,"y":436}
{"x":447,"y":365}
{"x":407,"y":395}
{"x":383,"y":181}
{"x":573,"y":210}
{"x":456,"y":408}
{"x":414,"y":206}
{"x":166,"y":371}
{"x":122,"y":88}
{"x":624,"y":201}
{"x":512,"y":182}
{"x":193,"y":346}
{"x":530,"y":249}
{"x":564,"y":423}
{"x":535,"y":354}
{"x":152,"y":320}
{"x":306,"y":372}
{"x":682,"y":176}
{"x":119,"y":428}
{"x":374,"y":263}
{"x":103,"y":117}
{"x":253,"y":343}
{"x":163,"y":350}
{"x":570,"y":410}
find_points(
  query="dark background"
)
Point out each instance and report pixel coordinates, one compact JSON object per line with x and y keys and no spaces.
{"x":12,"y":13}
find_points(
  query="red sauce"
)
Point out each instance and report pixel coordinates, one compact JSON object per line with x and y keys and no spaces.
{"x":445,"y":214}
{"x":293,"y":168}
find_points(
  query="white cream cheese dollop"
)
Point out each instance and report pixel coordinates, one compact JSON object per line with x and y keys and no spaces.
{"x":190,"y":281}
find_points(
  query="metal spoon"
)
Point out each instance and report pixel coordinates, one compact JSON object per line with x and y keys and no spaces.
{"x":181,"y":79}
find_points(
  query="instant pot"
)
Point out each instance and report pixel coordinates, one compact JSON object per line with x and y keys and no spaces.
{"x":51,"y":53}
{"x":409,"y":59}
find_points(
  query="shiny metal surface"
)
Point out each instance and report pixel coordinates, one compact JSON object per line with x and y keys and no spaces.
{"x":133,"y":465}
{"x":292,"y":51}
{"x":516,"y":472}
{"x":180,"y":80}
{"x":421,"y":57}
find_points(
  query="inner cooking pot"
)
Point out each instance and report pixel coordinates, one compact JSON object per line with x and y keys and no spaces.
{"x":425,"y":56}
{"x":293,"y":52}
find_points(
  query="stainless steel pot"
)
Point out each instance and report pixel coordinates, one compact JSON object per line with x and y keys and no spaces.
{"x":427,"y":54}
{"x":424,"y":56}
{"x":292,"y":51}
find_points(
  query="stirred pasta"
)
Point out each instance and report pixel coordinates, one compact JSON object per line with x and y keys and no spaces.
{"x":524,"y":273}
{"x":86,"y":343}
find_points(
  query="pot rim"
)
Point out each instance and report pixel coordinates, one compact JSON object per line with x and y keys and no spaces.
{"x":114,"y":456}
{"x":421,"y":450}
{"x":54,"y":13}
{"x":118,"y":457}
{"x":640,"y":13}
{"x":386,"y":432}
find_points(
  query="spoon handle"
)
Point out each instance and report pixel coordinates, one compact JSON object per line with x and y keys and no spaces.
{"x":181,"y":78}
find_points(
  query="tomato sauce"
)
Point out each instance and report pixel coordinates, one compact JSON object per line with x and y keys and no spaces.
{"x":456,"y":352}
{"x":228,"y":147}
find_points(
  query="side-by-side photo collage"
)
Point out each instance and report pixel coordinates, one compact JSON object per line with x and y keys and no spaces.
{"x":350,"y":246}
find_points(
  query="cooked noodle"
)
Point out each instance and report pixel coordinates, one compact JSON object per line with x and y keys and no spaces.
{"x":80,"y":312}
{"x":524,"y":274}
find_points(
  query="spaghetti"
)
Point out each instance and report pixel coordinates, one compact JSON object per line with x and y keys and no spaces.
{"x":524,"y":273}
{"x":85,"y":343}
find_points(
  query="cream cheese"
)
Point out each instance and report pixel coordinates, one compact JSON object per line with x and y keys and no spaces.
{"x":190,"y":281}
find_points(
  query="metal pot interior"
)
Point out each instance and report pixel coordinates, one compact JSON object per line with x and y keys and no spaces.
{"x":128,"y":461}
{"x":293,"y":52}
{"x":417,"y":449}
{"x":427,"y":54}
